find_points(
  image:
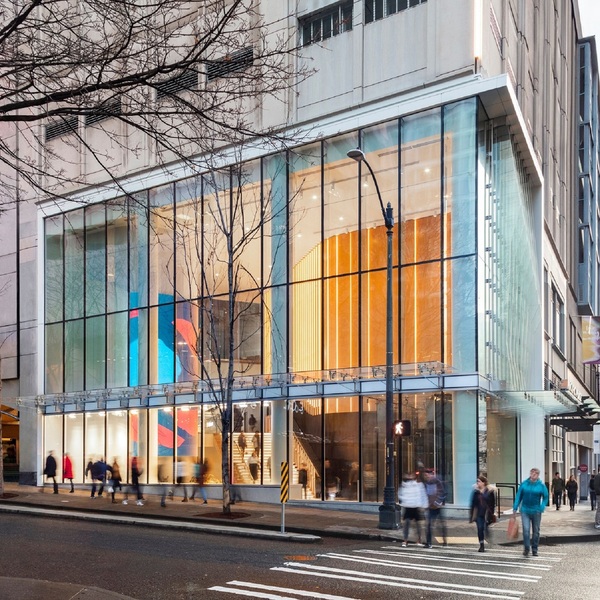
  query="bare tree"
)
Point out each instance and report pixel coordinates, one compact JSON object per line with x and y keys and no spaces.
{"x":95,"y":89}
{"x":222,"y":266}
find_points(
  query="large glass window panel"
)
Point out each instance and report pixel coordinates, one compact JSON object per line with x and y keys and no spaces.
{"x":217,"y":229}
{"x":212,"y":437}
{"x":188,"y":341}
{"x":188,"y":238}
{"x":74,"y":444}
{"x":275,"y":228}
{"x":374,"y":317}
{"x":116,"y":439}
{"x":138,"y":347}
{"x":162,"y":344}
{"x":460,"y":160}
{"x":53,"y":442}
{"x":380,"y":145}
{"x":340,"y":207}
{"x":255,"y":444}
{"x":341,"y":322}
{"x":95,"y":260}
{"x":116,"y":350}
{"x":372,"y":475}
{"x":305,"y":213}
{"x":138,"y":441}
{"x":247,"y":333}
{"x":460,"y":306}
{"x":161,"y":452}
{"x":271,"y":467}
{"x":307,"y":443}
{"x":421,"y":313}
{"x":53,"y":288}
{"x":341,"y":447}
{"x":116,"y":255}
{"x":138,"y":250}
{"x":95,"y":353}
{"x":275,"y":330}
{"x":74,"y":356}
{"x":420,"y":213}
{"x":162,"y":248}
{"x":74,"y":264}
{"x":95,"y":442}
{"x":306,"y":326}
{"x":247,"y":219}
{"x":54,"y":358}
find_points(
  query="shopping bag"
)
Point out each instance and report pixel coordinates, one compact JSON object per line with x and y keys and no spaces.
{"x":512,"y":532}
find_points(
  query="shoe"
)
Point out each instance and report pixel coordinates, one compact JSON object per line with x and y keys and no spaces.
{"x":404,"y":544}
{"x":163,"y":504}
{"x":481,"y":548}
{"x":185,"y":500}
{"x":534,"y":553}
{"x":125,"y":502}
{"x":205,"y":502}
{"x":93,"y":497}
{"x":428,"y":546}
{"x":525,"y":552}
{"x":115,"y":502}
{"x":74,"y":490}
{"x":140,"y":503}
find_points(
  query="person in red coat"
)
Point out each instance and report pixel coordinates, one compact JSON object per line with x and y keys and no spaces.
{"x":68,"y":470}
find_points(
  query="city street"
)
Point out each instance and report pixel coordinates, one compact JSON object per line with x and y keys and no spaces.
{"x":155,"y":564}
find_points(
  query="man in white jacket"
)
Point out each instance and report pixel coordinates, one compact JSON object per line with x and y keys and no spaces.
{"x":413,"y":498}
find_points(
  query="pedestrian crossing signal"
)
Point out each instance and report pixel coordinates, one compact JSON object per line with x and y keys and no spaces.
{"x":402,"y":428}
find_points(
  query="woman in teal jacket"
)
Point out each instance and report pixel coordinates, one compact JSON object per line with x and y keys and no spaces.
{"x":532,"y":497}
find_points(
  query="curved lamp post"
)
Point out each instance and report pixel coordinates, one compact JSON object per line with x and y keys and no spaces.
{"x":389,"y":511}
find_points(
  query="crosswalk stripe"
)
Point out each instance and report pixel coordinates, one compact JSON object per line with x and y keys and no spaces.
{"x":273,"y":588}
{"x":437,"y":569}
{"x":547,"y":556}
{"x":249,"y":593}
{"x":524,"y":563}
{"x":405,"y":582}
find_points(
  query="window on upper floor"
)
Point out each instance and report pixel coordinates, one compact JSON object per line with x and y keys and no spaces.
{"x":324,"y":24}
{"x":62,"y":126}
{"x":558,"y":320}
{"x":188,"y":80}
{"x":378,"y":9}
{"x":230,"y":63}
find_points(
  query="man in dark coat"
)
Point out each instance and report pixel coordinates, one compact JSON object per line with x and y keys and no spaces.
{"x":50,"y":469}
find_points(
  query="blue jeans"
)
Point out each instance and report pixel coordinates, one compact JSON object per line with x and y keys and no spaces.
{"x":531,"y":521}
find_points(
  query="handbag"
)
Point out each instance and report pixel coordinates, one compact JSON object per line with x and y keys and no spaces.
{"x":512,"y":531}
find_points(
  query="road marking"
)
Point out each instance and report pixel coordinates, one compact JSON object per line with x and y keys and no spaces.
{"x":273,"y":588}
{"x":436,"y":569}
{"x":249,"y":593}
{"x":524,"y":563}
{"x":401,"y":582}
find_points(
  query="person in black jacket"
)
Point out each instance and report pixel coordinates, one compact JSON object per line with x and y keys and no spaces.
{"x":50,"y":469}
{"x":483,"y":503}
{"x":572,"y":488}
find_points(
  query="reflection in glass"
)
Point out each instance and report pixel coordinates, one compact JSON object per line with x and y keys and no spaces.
{"x":53,"y":268}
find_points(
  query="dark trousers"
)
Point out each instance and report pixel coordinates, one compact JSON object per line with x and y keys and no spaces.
{"x":435,"y":514}
{"x":593,"y":499}
{"x":557,"y":499}
{"x":55,"y":485}
{"x":94,"y":487}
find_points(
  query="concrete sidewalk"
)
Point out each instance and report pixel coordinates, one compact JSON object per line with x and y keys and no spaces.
{"x":304,"y":522}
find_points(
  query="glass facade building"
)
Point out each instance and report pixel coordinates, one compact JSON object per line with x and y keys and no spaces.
{"x":137,"y":311}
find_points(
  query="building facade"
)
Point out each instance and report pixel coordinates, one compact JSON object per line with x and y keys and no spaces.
{"x":470,"y":119}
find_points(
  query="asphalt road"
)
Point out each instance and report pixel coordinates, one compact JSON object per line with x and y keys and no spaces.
{"x":155,"y":564}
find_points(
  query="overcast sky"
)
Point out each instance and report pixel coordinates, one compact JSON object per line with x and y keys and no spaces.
{"x":590,"y":18}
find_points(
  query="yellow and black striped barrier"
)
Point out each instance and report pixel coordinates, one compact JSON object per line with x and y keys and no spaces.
{"x":285,"y":482}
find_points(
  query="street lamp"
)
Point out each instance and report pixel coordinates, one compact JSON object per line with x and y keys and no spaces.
{"x":389,"y":513}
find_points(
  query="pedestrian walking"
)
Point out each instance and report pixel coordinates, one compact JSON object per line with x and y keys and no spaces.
{"x":557,"y":488}
{"x":201,"y":472}
{"x":436,"y":497}
{"x":483,"y":504}
{"x":115,"y":481}
{"x":597,"y":490}
{"x":592,"y":490}
{"x":253,"y":465}
{"x":256,"y":443}
{"x":572,"y":489}
{"x":242,"y":445}
{"x":98,"y":473}
{"x":68,"y":470}
{"x":413,"y":498}
{"x":50,"y":470}
{"x":182,"y":476}
{"x":303,"y":479}
{"x":136,"y":472}
{"x":532,"y":497}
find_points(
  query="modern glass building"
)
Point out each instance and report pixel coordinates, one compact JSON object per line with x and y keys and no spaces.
{"x":270,"y":268}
